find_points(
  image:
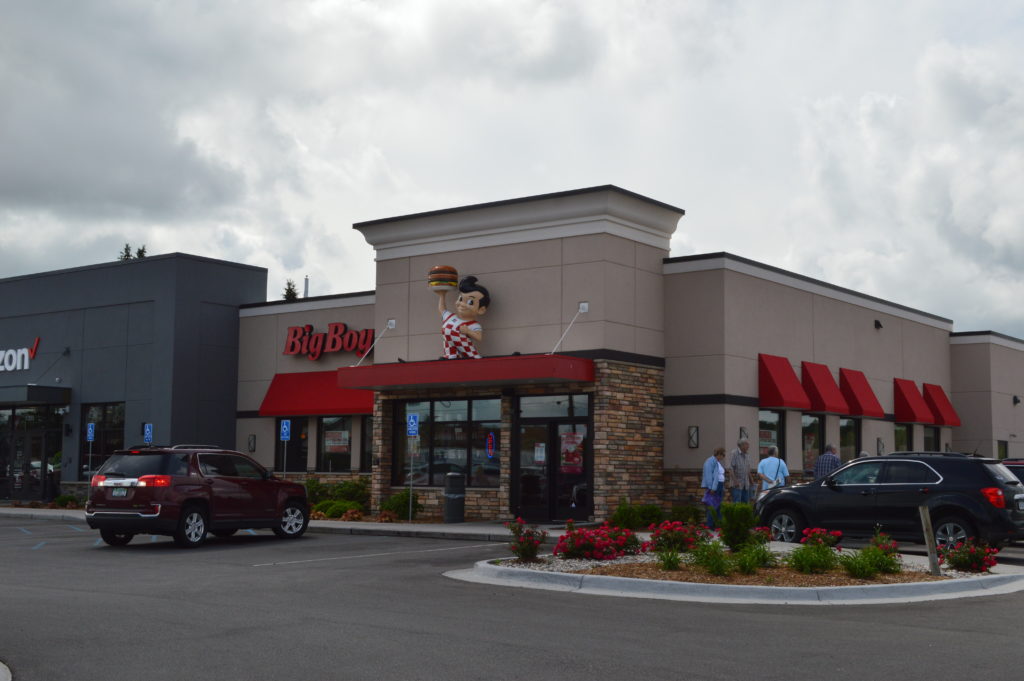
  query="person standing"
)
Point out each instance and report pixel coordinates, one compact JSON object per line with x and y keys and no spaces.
{"x":772,"y":470}
{"x":827,"y":462}
{"x":739,"y":470}
{"x":713,"y":483}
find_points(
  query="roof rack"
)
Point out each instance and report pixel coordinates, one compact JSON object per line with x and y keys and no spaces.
{"x":196,"y":447}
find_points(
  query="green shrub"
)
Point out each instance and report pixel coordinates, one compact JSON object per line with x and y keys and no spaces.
{"x":399,"y":505}
{"x":738,"y":521}
{"x":649,"y":514}
{"x":686,"y":514}
{"x":322,"y":506}
{"x":812,"y":558}
{"x":626,"y":515}
{"x":357,"y":490}
{"x":669,"y":559}
{"x":858,"y":564}
{"x":338,"y":507}
{"x":753,"y":556}
{"x":712,"y":557}
{"x":316,"y":491}
{"x":677,"y":536}
{"x":64,"y":499}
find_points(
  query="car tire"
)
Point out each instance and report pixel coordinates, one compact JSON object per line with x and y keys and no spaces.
{"x":223,"y":533}
{"x":294,"y":521}
{"x":952,"y":529}
{"x":786,"y":525}
{"x":114,"y":538}
{"x":192,"y":527}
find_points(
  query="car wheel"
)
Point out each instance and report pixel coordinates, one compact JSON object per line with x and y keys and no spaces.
{"x":192,"y":526}
{"x":116,"y":538}
{"x":952,"y":529}
{"x":786,"y":525}
{"x":223,"y":533}
{"x":294,"y":521}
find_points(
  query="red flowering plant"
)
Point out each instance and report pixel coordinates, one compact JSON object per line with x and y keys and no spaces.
{"x":968,"y":556}
{"x":822,"y":537}
{"x":761,"y":535}
{"x":817,"y":552}
{"x":598,"y":543}
{"x":526,"y":540}
{"x":673,"y":535}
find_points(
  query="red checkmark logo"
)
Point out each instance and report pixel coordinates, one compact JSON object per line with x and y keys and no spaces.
{"x":33,"y":349}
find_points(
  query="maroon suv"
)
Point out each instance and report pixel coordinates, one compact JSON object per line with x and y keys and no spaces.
{"x":185,"y":491}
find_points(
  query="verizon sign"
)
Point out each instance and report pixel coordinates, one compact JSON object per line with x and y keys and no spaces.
{"x":18,"y":359}
{"x":303,"y":340}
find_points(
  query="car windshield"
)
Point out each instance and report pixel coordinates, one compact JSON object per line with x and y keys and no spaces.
{"x":134,"y":465}
{"x":1002,"y":473}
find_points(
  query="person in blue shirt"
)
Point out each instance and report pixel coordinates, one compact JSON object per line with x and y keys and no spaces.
{"x":772,"y":470}
{"x":713,"y":481}
{"x":827,"y":462}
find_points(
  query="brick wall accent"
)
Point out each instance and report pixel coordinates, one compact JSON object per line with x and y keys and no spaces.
{"x":629,"y":430}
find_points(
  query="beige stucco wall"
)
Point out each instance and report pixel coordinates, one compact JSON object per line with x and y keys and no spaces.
{"x":987,"y":372}
{"x":718,"y":320}
{"x":535,"y":288}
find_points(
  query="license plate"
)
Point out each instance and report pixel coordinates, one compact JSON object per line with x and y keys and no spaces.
{"x":123,"y":492}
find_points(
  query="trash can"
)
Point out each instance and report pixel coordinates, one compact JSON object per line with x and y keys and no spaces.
{"x":454,"y":498}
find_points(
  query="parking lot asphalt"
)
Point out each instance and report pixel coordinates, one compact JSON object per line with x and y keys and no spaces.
{"x":1004,"y":578}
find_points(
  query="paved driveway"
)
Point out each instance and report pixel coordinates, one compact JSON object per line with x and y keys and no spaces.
{"x":360,"y":607}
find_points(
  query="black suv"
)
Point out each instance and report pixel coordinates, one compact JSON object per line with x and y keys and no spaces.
{"x":967,"y":496}
{"x":187,"y":490}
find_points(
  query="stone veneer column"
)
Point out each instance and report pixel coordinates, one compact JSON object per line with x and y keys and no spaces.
{"x":629,"y":424}
{"x":380,"y":472}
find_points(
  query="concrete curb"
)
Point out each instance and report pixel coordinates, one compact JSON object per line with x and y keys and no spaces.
{"x":485,"y":572}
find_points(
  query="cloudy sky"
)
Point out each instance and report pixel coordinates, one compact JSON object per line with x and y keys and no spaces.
{"x":874,"y":145}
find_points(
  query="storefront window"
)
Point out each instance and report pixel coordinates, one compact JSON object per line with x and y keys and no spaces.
{"x":1002,"y":449}
{"x":812,"y":436}
{"x":904,"y":437}
{"x":849,"y":439}
{"x":931,"y":439}
{"x":554,"y":406}
{"x":366,"y":445}
{"x":108,"y":437}
{"x":334,"y":452}
{"x":455,"y":436}
{"x":770,"y":433}
{"x":292,"y":455}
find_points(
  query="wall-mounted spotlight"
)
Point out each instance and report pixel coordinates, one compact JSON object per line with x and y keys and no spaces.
{"x":1016,"y":400}
{"x":878,"y":324}
{"x":743,"y":433}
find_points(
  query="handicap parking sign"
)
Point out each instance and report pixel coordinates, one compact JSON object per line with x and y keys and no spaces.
{"x":90,"y":432}
{"x":147,"y":433}
{"x":412,"y":425}
{"x":286,"y":430}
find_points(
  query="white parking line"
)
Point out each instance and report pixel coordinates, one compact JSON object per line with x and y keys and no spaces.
{"x":76,"y":528}
{"x":25,"y":531}
{"x":373,"y":555}
{"x":39,"y":545}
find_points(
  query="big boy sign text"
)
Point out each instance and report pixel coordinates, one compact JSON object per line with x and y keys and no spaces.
{"x":338,"y":338}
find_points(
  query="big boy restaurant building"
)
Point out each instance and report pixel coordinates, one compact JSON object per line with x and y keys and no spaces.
{"x":609,"y":369}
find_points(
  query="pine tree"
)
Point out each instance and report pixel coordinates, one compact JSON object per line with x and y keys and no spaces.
{"x":141,"y":253}
{"x":126,"y":253}
{"x":290,"y":292}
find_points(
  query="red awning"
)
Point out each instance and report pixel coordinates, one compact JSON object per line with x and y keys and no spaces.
{"x":859,"y":395}
{"x":451,"y":373}
{"x":313,"y":394}
{"x":908,"y":404}
{"x":936,"y":399}
{"x":822,"y":389}
{"x":777,"y":384}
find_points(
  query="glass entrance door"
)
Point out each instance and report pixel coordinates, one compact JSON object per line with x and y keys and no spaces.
{"x":32,"y":471}
{"x":553,"y":471}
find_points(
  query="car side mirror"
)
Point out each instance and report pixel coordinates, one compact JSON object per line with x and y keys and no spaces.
{"x":831,"y":482}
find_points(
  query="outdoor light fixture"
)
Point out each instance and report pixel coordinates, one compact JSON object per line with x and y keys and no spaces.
{"x":1016,"y":400}
{"x":879,"y":446}
{"x":743,"y":433}
{"x":878,"y":324}
{"x":693,"y":436}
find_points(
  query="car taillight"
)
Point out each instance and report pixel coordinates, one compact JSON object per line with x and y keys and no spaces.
{"x":155,"y":481}
{"x":96,"y":480}
{"x":994,"y":496}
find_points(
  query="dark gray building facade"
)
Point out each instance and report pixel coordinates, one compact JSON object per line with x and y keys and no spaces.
{"x":119,"y":346}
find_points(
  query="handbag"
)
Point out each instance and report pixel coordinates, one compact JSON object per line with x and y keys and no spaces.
{"x":711,"y":499}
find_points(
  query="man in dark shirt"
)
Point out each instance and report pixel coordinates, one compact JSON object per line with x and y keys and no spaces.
{"x":827,"y":462}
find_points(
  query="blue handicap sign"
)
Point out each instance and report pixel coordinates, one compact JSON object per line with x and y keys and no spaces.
{"x":286,"y":430}
{"x":147,"y":433}
{"x":90,"y":432}
{"x":412,"y":425}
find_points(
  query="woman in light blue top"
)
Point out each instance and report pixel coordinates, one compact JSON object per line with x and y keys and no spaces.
{"x":772,"y":470}
{"x":713,"y":480}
